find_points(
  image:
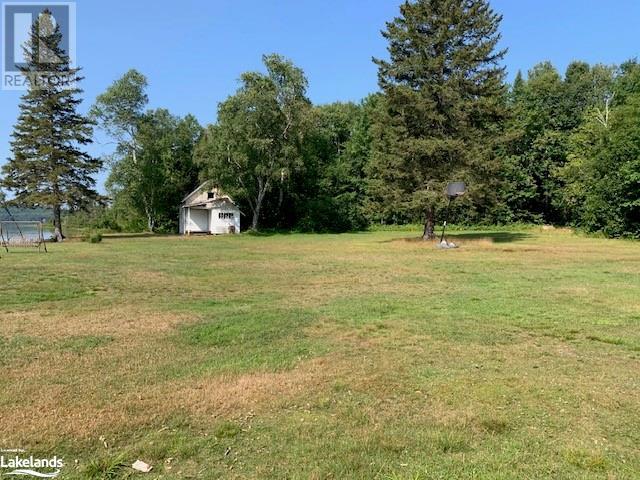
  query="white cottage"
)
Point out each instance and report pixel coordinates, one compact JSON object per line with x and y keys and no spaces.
{"x":207,"y":210}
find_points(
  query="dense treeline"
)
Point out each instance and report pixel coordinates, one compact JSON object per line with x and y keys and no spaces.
{"x":571,"y":154}
{"x":551,"y":147}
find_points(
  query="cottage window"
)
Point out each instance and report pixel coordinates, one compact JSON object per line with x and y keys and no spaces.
{"x":225,"y":215}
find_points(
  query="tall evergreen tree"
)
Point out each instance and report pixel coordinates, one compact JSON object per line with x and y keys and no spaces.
{"x":48,"y":166}
{"x":444,"y":91}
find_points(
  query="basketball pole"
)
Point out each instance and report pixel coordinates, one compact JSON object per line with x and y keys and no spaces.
{"x":446,"y":219}
{"x":453,"y":191}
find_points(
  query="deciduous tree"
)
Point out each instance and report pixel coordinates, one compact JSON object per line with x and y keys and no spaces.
{"x":257,"y":142}
{"x":153,"y":183}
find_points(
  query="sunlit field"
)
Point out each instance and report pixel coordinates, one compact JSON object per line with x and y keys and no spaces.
{"x":362,"y":356}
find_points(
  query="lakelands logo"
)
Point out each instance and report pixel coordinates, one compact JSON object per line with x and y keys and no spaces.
{"x":18,"y":464}
{"x":24,"y":45}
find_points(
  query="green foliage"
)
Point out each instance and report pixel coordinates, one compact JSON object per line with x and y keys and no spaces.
{"x":152,"y":168}
{"x":539,"y":152}
{"x":444,"y":94}
{"x":96,"y":217}
{"x":332,"y":183}
{"x":152,"y":184}
{"x":49,"y":167}
{"x":545,"y":109}
{"x":603,"y":174}
{"x":256,"y":146}
{"x":92,"y":237}
{"x":120,"y":108}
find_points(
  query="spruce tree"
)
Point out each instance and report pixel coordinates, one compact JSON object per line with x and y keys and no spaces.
{"x":48,"y":167}
{"x":444,"y":91}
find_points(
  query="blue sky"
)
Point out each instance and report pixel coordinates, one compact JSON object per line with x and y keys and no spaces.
{"x":193,"y":51}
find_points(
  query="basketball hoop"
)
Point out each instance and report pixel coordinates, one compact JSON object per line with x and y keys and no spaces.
{"x":454,"y":190}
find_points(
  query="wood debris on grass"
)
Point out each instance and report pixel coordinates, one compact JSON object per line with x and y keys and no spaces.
{"x":141,"y":466}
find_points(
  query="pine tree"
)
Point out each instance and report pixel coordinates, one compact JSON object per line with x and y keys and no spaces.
{"x":518,"y":84}
{"x":48,"y":167}
{"x":444,"y":92}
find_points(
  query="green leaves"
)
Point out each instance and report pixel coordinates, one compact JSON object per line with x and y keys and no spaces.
{"x":152,"y":185}
{"x":121,"y":107}
{"x":257,"y":142}
{"x":603,"y":172}
{"x":444,"y":95}
{"x":546,"y":109}
{"x":48,"y":166}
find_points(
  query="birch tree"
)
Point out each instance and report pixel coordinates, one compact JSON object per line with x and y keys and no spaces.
{"x":257,"y":142}
{"x":120,"y":111}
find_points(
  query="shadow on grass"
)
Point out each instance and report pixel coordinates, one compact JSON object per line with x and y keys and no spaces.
{"x":271,"y":233}
{"x":111,"y":236}
{"x":495,"y":237}
{"x":265,"y":233}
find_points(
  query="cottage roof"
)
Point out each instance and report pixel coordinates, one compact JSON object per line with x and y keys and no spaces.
{"x":198,"y":199}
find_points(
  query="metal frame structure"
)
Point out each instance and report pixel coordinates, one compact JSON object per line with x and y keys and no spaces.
{"x":454,"y":190}
{"x":23,"y":241}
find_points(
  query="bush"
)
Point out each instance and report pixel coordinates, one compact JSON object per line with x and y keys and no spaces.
{"x":92,"y":237}
{"x":95,"y":238}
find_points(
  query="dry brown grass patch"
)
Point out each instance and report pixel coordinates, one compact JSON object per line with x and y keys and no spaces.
{"x":85,"y":412}
{"x":117,"y":321}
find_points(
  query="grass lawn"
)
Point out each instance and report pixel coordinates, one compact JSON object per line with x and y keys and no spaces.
{"x":326,"y":356}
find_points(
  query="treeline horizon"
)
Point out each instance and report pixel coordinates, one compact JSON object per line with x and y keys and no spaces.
{"x":549,"y":148}
{"x":542,"y":178}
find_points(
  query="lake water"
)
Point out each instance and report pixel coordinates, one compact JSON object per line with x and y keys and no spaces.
{"x":25,"y":233}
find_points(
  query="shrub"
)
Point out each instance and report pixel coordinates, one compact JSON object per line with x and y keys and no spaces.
{"x":92,"y":237}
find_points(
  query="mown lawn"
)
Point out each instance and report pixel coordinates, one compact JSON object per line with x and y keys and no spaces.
{"x":326,"y":356}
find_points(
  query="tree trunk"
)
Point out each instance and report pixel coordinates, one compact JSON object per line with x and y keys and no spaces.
{"x":429,"y":225}
{"x":57,"y":223}
{"x":262,"y":191}
{"x":151,"y":224}
{"x":256,"y":212}
{"x":254,"y":219}
{"x":280,"y":199}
